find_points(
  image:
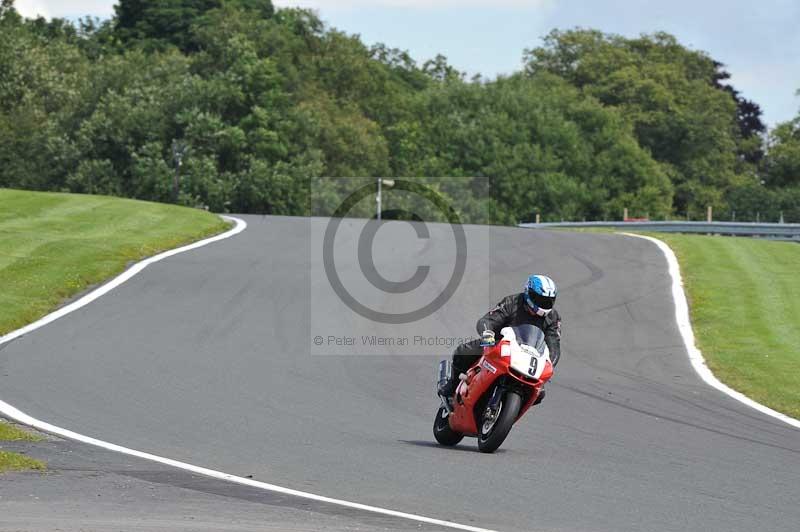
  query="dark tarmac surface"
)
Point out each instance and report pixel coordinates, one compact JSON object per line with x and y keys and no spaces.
{"x":207,"y":357}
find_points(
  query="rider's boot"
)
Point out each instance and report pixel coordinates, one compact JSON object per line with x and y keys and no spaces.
{"x":449,"y":388}
{"x":540,"y":398}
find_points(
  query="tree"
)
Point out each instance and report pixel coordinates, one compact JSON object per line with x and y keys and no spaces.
{"x":669,"y":95}
{"x":440,"y":70}
{"x":42,"y":80}
{"x":8,"y":13}
{"x":783,"y":158}
{"x":263,"y":100}
{"x":156,"y":25}
{"x":544,"y":146}
{"x":263,"y":8}
{"x":748,"y":118}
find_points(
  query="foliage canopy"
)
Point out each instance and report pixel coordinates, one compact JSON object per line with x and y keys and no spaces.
{"x":260,"y":100}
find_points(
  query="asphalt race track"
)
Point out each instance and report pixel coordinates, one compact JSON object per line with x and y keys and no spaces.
{"x":206,"y":358}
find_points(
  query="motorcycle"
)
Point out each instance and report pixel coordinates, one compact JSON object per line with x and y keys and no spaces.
{"x":496,"y":391}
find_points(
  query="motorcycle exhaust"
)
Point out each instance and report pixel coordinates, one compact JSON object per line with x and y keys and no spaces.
{"x":445,"y":372}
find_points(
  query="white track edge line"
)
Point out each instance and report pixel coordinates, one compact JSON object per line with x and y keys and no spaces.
{"x":240,"y":226}
{"x":21,"y":417}
{"x":685,"y":328}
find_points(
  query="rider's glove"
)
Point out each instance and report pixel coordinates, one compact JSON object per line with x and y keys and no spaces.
{"x":487,"y":338}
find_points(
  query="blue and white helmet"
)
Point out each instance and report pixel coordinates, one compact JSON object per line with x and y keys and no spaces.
{"x":540,"y":294}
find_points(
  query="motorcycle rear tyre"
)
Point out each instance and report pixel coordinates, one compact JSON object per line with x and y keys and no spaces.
{"x":442,"y":431}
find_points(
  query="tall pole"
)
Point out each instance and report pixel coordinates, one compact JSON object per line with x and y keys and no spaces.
{"x":176,"y":181}
{"x":378,"y":198}
{"x":179,"y":149}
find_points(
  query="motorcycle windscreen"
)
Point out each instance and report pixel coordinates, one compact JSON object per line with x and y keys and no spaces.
{"x":530,"y":335}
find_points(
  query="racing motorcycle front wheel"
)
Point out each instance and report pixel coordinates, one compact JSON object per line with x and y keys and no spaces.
{"x":496,"y":422}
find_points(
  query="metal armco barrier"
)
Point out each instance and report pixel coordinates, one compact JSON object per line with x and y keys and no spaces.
{"x":773,"y":231}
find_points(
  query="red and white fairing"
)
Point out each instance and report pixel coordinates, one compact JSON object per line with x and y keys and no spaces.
{"x":530,"y":367}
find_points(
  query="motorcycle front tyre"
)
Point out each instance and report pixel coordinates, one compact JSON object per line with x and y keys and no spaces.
{"x":489,"y":442}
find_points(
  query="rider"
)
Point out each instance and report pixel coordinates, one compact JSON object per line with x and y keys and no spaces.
{"x":533,"y":306}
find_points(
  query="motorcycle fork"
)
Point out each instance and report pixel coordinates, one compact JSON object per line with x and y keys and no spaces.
{"x":490,"y":410}
{"x":497,"y":394}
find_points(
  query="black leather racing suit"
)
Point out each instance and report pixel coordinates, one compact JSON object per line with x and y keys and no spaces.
{"x":511,"y":311}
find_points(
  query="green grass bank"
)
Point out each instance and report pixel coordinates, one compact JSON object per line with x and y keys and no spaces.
{"x":18,"y":462}
{"x":53,"y":246}
{"x":12,"y":433}
{"x":744,"y":298}
{"x":13,"y":461}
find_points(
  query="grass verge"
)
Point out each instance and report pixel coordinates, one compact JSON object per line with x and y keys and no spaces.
{"x":18,"y":462}
{"x":744,"y":298}
{"x":12,"y":433}
{"x":13,"y":461}
{"x":53,"y":246}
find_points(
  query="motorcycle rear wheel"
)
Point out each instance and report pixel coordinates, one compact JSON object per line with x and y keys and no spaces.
{"x":509,"y":409}
{"x":442,"y":431}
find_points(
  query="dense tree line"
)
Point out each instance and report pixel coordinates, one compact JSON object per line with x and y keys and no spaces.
{"x":256,"y":101}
